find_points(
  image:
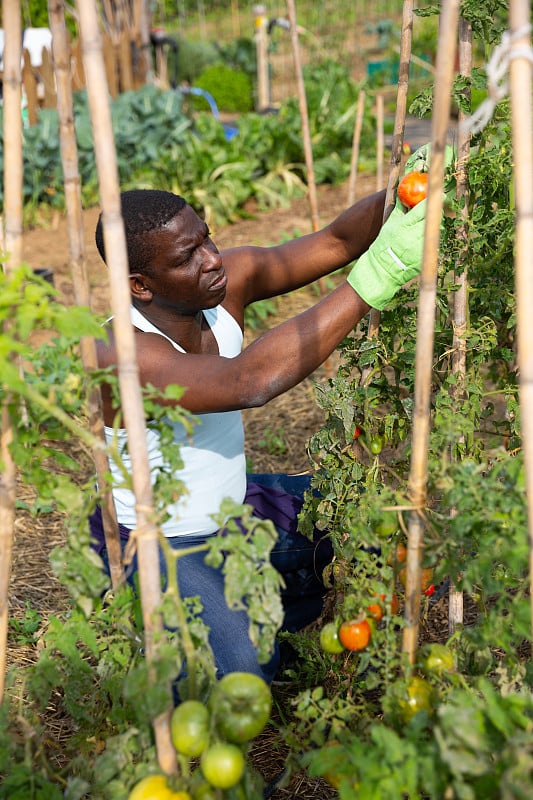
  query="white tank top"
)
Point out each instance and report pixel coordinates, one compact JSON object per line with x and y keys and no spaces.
{"x":214,"y":464}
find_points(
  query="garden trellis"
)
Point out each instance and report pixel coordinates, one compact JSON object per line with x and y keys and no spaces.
{"x":491,"y":714}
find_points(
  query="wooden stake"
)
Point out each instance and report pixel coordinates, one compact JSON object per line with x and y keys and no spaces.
{"x":302,"y":102}
{"x":72,"y":185}
{"x":13,"y":165}
{"x":426,"y":323}
{"x":522,"y":143}
{"x":460,"y":297}
{"x":356,"y":145}
{"x":397,"y":136}
{"x":130,"y":393}
{"x":380,"y":141}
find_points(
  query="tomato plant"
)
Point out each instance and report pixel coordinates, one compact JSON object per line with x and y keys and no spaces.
{"x":189,"y":726}
{"x":412,"y":188}
{"x":241,"y":705}
{"x":329,"y":638}
{"x":355,"y":634}
{"x":222,"y":765}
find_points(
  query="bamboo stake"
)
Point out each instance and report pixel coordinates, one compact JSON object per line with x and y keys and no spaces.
{"x":406,"y":38}
{"x":522,"y":143}
{"x":130,"y":393}
{"x":356,"y":144}
{"x":460,"y":297}
{"x":379,"y":141}
{"x":12,"y":91}
{"x":72,"y":185}
{"x":302,"y":102}
{"x":426,"y":323}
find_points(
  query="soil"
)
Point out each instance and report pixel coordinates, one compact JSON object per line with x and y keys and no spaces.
{"x":276,"y":434}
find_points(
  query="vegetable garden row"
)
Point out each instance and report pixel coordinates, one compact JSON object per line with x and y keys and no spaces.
{"x":422,"y":469}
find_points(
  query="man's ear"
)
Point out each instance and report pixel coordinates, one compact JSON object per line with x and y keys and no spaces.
{"x":138,"y":286}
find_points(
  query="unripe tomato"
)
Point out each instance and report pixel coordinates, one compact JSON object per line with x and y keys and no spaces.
{"x":386,"y":525}
{"x":241,"y":705}
{"x":222,"y":765}
{"x":329,"y":638}
{"x":376,"y":445}
{"x":418,"y":697}
{"x":413,"y":188}
{"x":189,"y":728}
{"x":155,"y":787}
{"x":355,"y":634}
{"x":437,"y":659}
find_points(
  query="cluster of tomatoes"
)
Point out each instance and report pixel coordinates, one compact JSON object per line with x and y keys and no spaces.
{"x":213,"y":736}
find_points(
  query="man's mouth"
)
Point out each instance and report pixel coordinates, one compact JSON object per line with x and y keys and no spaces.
{"x":220,"y":283}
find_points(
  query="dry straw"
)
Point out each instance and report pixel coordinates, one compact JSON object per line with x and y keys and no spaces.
{"x":426,"y":322}
{"x":72,"y":186}
{"x":521,"y":59}
{"x":130,"y":392}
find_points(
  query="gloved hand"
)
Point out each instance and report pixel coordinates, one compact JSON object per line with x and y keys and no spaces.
{"x":393,"y":258}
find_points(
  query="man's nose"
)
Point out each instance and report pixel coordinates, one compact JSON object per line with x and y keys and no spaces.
{"x":212,"y":260}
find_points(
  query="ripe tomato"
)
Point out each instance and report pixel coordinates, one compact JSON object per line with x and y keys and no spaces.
{"x":418,"y":697}
{"x":357,"y":432}
{"x":241,"y":705}
{"x":329,"y":638}
{"x":155,"y":787}
{"x":377,"y":610}
{"x":189,"y":728}
{"x":222,"y":765}
{"x":355,"y":634}
{"x":427,"y":578}
{"x":437,"y":659}
{"x":413,"y":188}
{"x":399,"y":555}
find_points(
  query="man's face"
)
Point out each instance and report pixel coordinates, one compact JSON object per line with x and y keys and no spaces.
{"x":186,"y":267}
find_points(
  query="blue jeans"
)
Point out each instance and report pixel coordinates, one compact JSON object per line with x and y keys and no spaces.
{"x":300,"y":562}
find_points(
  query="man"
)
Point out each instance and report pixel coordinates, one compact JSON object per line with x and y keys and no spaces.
{"x":187,"y":308}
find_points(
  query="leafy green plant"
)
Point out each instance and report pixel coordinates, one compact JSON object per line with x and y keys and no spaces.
{"x":230,"y":88}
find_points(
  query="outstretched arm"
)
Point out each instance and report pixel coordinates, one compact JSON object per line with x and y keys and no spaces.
{"x":256,"y":273}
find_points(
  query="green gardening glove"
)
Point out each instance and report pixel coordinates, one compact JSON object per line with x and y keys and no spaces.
{"x":392,"y":259}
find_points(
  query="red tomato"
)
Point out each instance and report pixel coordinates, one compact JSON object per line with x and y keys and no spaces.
{"x":427,"y":578}
{"x":413,"y":188}
{"x":376,"y":610}
{"x":355,"y":634}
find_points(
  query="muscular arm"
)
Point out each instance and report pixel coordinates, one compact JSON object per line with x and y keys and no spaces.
{"x":275,"y":362}
{"x":256,"y":273}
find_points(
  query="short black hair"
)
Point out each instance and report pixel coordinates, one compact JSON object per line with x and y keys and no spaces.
{"x":143,"y":211}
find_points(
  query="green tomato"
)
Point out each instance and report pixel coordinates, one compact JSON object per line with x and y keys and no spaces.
{"x":418,"y":697}
{"x":222,"y":765}
{"x":437,"y":659}
{"x":329,"y":638}
{"x":189,"y":728}
{"x":241,"y":705}
{"x":386,"y":525}
{"x":376,"y":445}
